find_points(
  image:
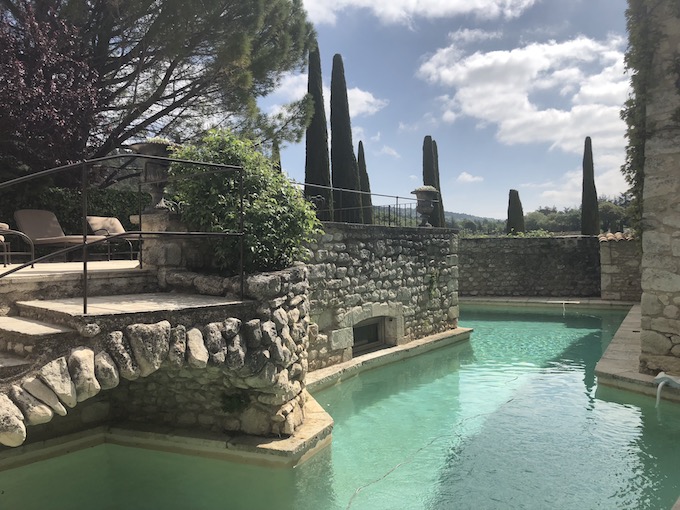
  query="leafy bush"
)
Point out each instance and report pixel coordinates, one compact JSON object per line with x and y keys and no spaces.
{"x":277,"y":218}
{"x":66,"y":204}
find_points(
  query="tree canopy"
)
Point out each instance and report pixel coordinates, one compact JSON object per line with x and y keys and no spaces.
{"x":173,"y":68}
{"x":49,"y":96}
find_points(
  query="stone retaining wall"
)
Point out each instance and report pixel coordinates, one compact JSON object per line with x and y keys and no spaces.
{"x":620,"y":267}
{"x":240,"y":374}
{"x":405,"y":277}
{"x":517,"y":266}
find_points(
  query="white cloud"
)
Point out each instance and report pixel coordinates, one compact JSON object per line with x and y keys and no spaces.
{"x":466,"y":178}
{"x":294,"y":86}
{"x":362,"y":102}
{"x":466,"y":35}
{"x":376,"y":137}
{"x":554,"y":93}
{"x":427,"y":121}
{"x":403,"y":11}
{"x":386,"y":150}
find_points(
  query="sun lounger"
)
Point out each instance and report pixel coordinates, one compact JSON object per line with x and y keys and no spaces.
{"x":109,"y":226}
{"x":43,"y":228}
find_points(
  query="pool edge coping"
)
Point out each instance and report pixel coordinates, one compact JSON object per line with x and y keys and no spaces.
{"x":335,"y":374}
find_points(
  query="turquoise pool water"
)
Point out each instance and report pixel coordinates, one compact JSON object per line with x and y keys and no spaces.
{"x":514,"y":419}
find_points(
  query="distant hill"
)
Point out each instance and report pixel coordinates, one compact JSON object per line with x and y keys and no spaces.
{"x":462,"y":216}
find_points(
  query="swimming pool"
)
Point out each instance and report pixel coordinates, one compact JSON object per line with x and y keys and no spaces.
{"x":514,"y":419}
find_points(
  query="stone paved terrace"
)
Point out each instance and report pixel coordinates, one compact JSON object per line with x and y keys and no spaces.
{"x":55,"y":269}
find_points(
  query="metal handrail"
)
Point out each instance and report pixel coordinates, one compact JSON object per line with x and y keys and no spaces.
{"x":83,"y":166}
{"x":397,"y":214}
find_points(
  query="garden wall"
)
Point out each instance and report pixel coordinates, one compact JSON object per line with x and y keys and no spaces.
{"x":521,"y":266}
{"x":406,"y":278}
{"x":660,"y":331}
{"x":620,"y":267}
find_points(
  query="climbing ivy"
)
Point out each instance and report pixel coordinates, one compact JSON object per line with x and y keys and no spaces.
{"x":643,"y":41}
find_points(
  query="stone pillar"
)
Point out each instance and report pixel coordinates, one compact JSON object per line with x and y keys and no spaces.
{"x":162,"y":253}
{"x":660,"y":331}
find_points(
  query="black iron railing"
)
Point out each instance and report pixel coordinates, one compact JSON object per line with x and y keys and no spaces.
{"x":389,"y":210}
{"x":84,"y":167}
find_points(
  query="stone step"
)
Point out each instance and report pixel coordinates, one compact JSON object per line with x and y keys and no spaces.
{"x":34,"y":339}
{"x":12,"y":365}
{"x":65,"y":279}
{"x":118,"y":311}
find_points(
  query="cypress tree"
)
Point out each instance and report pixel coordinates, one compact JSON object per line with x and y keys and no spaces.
{"x":515,"y":213}
{"x":347,"y":205}
{"x":366,"y":201}
{"x":317,"y":163}
{"x":431,"y":178}
{"x":440,"y":204}
{"x":590,"y":216}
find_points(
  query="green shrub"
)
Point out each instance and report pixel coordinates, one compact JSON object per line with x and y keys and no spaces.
{"x":66,"y":204}
{"x":277,"y":218}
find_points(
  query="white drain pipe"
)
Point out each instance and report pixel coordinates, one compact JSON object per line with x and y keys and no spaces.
{"x":662,"y":379}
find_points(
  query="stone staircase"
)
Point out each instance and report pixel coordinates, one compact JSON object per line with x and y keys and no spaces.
{"x":46,"y":329}
{"x":192,"y":357}
{"x":30,"y":336}
{"x":44,"y":316}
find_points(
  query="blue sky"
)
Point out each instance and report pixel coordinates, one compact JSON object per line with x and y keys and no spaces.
{"x":509,"y":89}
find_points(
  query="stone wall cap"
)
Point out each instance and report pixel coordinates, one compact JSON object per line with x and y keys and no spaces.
{"x":616,"y":236}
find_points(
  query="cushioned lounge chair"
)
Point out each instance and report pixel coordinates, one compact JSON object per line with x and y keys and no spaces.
{"x":43,"y":228}
{"x":109,"y":226}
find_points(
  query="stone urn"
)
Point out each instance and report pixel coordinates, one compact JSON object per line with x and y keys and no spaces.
{"x":426,"y":196}
{"x":155,"y":172}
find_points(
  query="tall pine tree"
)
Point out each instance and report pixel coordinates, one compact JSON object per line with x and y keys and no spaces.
{"x":317,"y":162}
{"x":276,"y":156}
{"x":431,"y":178}
{"x":346,"y":203}
{"x":590,"y":215}
{"x":366,"y":201}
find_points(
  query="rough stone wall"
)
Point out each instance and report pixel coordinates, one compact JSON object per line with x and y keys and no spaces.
{"x":660,"y":332}
{"x":516,"y":266}
{"x":358,"y":272}
{"x":239,"y":374}
{"x":250,"y":375}
{"x":620,"y":267}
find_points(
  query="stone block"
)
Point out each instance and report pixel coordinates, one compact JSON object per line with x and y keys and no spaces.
{"x":81,"y":366}
{"x":34,"y":411}
{"x":655,"y":343}
{"x":341,"y":338}
{"x":150,"y":344}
